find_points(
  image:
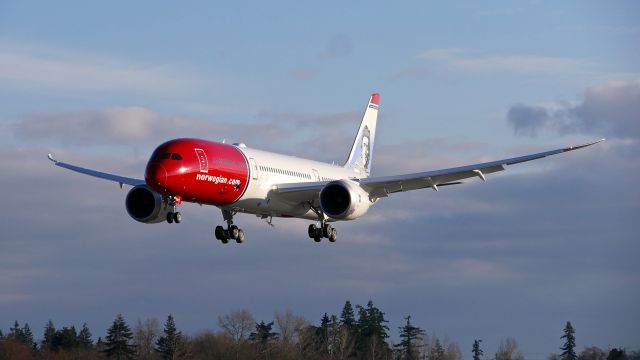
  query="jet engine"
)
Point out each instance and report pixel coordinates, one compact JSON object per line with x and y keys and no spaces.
{"x":344,"y":200}
{"x":146,"y":205}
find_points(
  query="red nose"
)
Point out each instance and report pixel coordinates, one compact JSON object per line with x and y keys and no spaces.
{"x":157,"y":176}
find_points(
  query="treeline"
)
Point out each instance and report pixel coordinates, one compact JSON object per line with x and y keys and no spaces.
{"x":360,"y":332}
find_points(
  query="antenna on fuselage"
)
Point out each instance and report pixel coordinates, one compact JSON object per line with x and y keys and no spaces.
{"x":224,"y":140}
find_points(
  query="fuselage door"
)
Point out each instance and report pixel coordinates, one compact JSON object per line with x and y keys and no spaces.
{"x":316,"y":174}
{"x":254,"y":168}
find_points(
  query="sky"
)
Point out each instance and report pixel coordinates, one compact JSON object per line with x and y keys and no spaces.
{"x":556,"y":240}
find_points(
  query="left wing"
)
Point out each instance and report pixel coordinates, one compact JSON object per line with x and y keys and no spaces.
{"x":117,"y":178}
{"x":383,"y":186}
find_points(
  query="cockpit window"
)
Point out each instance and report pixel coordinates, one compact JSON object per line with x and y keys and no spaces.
{"x":165,"y":156}
{"x":176,"y":156}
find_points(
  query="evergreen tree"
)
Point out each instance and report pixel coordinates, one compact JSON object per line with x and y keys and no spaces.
{"x":26,"y":337}
{"x":569,"y":346}
{"x":371,"y":331}
{"x":323,"y":334}
{"x":49,"y":335}
{"x":84,"y":337}
{"x":118,"y":338}
{"x":66,"y":339}
{"x":1,"y":334}
{"x":348,"y":317}
{"x":409,"y":335}
{"x":170,"y":345}
{"x":477,"y":352}
{"x":263,"y":336}
{"x":16,"y":332}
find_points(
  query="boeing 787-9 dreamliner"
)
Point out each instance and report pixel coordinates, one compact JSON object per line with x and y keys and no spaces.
{"x":239,"y":179}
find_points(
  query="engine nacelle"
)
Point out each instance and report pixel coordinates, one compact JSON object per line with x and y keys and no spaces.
{"x":146,"y":205}
{"x":344,"y":200}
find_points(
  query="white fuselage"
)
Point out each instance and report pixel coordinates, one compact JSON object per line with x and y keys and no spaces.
{"x":268,"y":169}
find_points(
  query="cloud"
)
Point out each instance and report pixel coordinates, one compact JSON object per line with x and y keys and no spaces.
{"x":611,"y":108}
{"x":145,"y":127}
{"x":337,"y":47}
{"x":460,"y":59}
{"x":305,"y":73}
{"x":526,"y":120}
{"x":42,"y":68}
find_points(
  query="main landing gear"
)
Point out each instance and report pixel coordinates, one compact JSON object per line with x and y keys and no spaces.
{"x":173,"y":216}
{"x":232,"y":232}
{"x":324,"y":230}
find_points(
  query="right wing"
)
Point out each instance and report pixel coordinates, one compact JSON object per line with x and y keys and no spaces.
{"x":382,"y":186}
{"x":378,"y":187}
{"x":117,"y":178}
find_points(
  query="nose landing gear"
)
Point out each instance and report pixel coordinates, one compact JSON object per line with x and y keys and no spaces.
{"x":173,"y":216}
{"x":232,"y":232}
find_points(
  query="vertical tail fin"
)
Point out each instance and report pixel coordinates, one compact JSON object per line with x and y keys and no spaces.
{"x":362,"y":150}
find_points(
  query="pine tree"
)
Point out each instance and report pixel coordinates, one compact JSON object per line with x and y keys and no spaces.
{"x":49,"y":335}
{"x":26,"y":337}
{"x":477,"y":352}
{"x":263,"y":336}
{"x":568,"y":349}
{"x":66,"y":339}
{"x":118,"y":338}
{"x":348,"y":317}
{"x":16,"y":332}
{"x":170,"y":345}
{"x":84,"y":337}
{"x":371,"y":331}
{"x":409,"y":335}
{"x":263,"y":333}
{"x":323,"y":334}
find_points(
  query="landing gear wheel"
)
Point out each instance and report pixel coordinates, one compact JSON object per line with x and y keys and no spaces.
{"x":224,"y":240}
{"x":240,"y":237}
{"x":219,"y":232}
{"x":233,"y":232}
{"x":312,"y":230}
{"x":327,"y":230}
{"x":170,"y":217}
{"x":317,"y":239}
{"x":333,"y":236}
{"x":177,"y":217}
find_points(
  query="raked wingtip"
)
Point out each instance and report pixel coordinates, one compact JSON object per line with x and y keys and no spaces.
{"x":50,"y":156}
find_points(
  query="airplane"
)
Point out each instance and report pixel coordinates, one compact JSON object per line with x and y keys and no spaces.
{"x":239,"y":179}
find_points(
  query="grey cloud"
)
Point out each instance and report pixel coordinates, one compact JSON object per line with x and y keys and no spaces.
{"x":527,"y":120}
{"x":609,"y":109}
{"x":318,"y":134}
{"x":338,"y":46}
{"x":462,"y":59}
{"x":40,"y":67}
{"x":305,"y":73}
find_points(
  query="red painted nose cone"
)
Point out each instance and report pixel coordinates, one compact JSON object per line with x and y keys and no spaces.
{"x":158,"y":175}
